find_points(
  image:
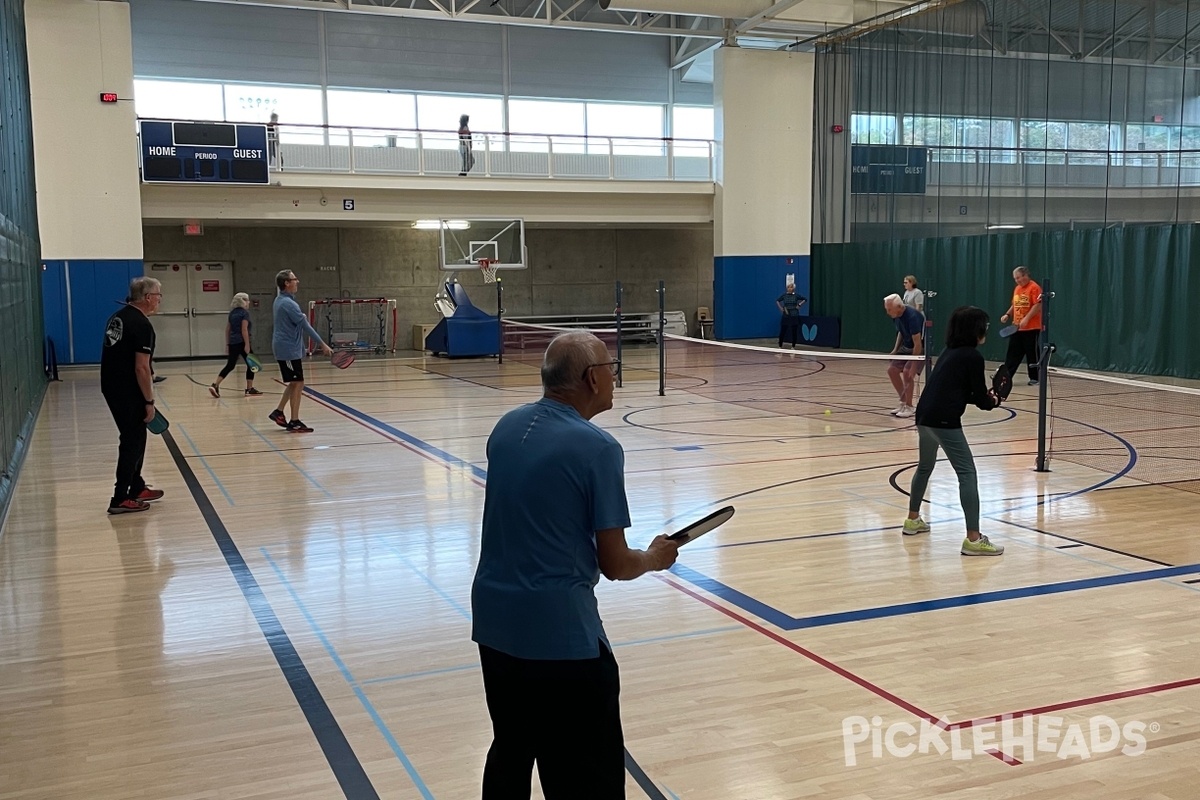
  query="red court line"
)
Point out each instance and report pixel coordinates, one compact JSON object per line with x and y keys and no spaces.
{"x":1012,"y":761}
{"x":1086,"y":701}
{"x":811,"y":656}
{"x":878,"y":691}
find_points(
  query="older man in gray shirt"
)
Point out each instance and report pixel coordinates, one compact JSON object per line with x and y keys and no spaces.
{"x":288,"y":344}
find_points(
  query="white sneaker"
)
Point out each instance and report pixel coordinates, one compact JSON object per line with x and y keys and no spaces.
{"x":905,"y":412}
{"x":897,"y":409}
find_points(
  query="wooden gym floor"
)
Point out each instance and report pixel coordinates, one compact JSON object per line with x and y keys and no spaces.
{"x":292,"y":619}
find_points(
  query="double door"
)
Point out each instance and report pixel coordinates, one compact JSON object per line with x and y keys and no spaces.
{"x":195,"y":307}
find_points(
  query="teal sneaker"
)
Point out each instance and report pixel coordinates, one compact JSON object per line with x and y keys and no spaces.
{"x":981,"y":547}
{"x":914,"y":526}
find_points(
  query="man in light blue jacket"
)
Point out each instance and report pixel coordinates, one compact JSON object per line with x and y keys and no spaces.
{"x":288,"y":344}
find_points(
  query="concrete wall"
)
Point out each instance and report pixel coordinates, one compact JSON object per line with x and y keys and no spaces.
{"x":572,"y":271}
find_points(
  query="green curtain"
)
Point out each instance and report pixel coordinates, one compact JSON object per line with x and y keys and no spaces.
{"x":1123,"y":297}
{"x":22,"y":380}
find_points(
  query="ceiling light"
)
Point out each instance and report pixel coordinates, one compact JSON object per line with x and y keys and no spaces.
{"x":435,"y":224}
{"x":1004,"y":227}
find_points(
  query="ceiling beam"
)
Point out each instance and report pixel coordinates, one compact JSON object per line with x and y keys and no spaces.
{"x":1117,"y":31}
{"x":1062,"y":42}
{"x":432,"y":9}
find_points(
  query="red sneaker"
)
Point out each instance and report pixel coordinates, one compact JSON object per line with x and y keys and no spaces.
{"x":149,"y":495}
{"x":128,"y":507}
{"x":277,"y":417}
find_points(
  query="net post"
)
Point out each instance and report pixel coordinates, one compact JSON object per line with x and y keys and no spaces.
{"x":617,"y":314}
{"x":500,"y":318}
{"x":1045,"y":349}
{"x":926,"y":339}
{"x":662,"y":339}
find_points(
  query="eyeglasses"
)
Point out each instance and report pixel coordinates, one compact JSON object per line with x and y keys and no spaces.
{"x":153,"y":294}
{"x":614,"y":367}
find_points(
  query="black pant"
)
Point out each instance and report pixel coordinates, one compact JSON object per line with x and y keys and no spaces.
{"x":236,"y":350}
{"x":1023,"y":345}
{"x":468,"y":159}
{"x":129,"y":412}
{"x":788,"y":327}
{"x":565,"y":715}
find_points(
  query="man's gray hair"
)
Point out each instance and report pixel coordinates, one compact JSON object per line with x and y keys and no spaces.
{"x":1021,"y":270}
{"x":893,"y":300}
{"x":567,"y":357}
{"x":140,"y":287}
{"x":281,"y":279}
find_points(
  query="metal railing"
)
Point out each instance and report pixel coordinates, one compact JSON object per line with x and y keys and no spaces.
{"x":1034,"y":168}
{"x":380,"y":151}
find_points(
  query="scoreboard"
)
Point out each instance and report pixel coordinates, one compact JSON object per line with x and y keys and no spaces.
{"x":203,"y":152}
{"x":887,"y":169}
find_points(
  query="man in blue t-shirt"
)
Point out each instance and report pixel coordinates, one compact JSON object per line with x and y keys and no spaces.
{"x":554,"y":519}
{"x":287,"y":340}
{"x":910,"y":329}
{"x":789,"y":306}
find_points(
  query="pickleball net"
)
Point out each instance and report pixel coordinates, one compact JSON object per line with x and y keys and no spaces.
{"x":1144,"y":430}
{"x":761,"y":378}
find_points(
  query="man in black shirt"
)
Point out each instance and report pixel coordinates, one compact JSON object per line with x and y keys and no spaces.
{"x":127,"y":386}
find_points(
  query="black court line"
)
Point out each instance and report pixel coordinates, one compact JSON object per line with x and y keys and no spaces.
{"x":643,"y":780}
{"x":1068,"y":546}
{"x":341,"y":757}
{"x":1193,"y":580}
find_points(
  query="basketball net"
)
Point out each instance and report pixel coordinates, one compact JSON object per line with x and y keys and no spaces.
{"x":488,"y":267}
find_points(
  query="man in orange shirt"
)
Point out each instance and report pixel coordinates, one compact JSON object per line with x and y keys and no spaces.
{"x":1026,"y":312}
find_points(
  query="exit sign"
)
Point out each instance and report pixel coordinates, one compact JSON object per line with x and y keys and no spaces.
{"x":108,"y":97}
{"x":193,"y":229}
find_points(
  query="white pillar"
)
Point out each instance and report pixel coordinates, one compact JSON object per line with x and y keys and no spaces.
{"x":763,"y":207}
{"x":85,"y":151}
{"x":85,"y":165}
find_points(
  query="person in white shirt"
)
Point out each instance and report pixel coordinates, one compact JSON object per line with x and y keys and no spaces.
{"x":913,"y":296}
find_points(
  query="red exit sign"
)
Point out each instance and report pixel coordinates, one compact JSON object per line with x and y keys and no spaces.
{"x":193,"y":229}
{"x":108,"y":97}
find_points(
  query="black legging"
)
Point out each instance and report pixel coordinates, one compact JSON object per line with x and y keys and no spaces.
{"x":129,"y":412}
{"x":1023,"y":345}
{"x":789,"y":327}
{"x":236,"y":350}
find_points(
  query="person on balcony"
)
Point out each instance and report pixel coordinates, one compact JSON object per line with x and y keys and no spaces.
{"x":464,"y":145}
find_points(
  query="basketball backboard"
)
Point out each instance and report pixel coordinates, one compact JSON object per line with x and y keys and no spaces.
{"x":466,"y":242}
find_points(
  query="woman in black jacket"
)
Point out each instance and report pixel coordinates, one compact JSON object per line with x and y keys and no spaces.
{"x":956,"y":380}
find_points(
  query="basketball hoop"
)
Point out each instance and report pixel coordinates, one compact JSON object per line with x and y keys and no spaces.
{"x":488,"y":267}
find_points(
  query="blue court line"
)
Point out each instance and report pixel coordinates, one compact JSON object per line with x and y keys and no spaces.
{"x":422,"y":674}
{"x":457,"y":607}
{"x":408,"y":438}
{"x":475,"y":665}
{"x":284,"y":456}
{"x":789,"y":623}
{"x":211,"y":474}
{"x":349,"y":677}
{"x":339,"y":755}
